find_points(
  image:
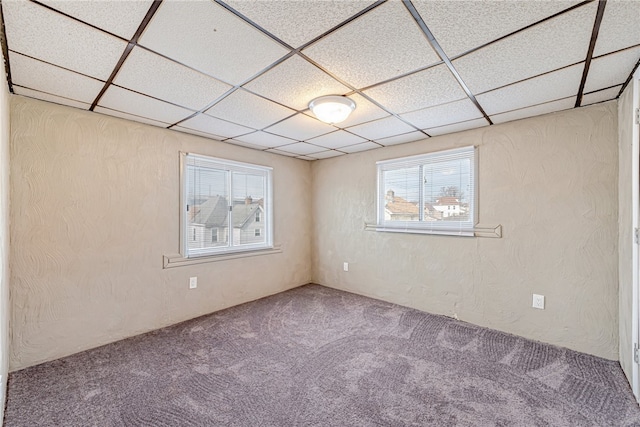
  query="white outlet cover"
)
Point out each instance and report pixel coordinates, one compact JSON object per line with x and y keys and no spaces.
{"x":193,"y":282}
{"x":538,"y":301}
{"x":345,"y":266}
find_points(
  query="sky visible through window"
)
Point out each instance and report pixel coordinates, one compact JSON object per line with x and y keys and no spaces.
{"x":206,"y":182}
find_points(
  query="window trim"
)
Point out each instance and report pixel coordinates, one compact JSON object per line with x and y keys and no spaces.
{"x":235,"y":250}
{"x":419,"y":227}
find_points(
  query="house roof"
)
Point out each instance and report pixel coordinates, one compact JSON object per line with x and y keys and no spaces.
{"x":214,"y":211}
{"x":244,"y":71}
{"x":401,"y":206}
{"x":447,"y":201}
{"x":243,"y":212}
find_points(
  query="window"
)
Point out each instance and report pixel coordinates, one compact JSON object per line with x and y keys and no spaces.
{"x":432,"y":193}
{"x":219,"y":200}
{"x":258,"y":216}
{"x":257,"y":232}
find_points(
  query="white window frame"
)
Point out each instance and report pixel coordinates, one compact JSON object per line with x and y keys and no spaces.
{"x":228,"y":166}
{"x":453,"y":228}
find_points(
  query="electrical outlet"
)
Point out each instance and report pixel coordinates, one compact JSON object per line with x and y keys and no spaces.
{"x":538,"y":301}
{"x":193,"y":282}
{"x":345,"y":266}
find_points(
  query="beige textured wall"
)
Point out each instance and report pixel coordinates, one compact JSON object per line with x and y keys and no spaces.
{"x":4,"y":236}
{"x":550,"y":181}
{"x":625,"y":230}
{"x":94,"y":209}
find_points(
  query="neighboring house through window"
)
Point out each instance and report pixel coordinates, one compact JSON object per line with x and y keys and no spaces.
{"x":432,"y":193}
{"x":226,"y":206}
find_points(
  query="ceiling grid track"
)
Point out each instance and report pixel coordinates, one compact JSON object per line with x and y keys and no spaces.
{"x":438,"y":49}
{"x":134,"y":40}
{"x":592,"y":44}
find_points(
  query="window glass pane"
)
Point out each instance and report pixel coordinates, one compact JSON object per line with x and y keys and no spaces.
{"x":248,"y":208}
{"x":429,"y":193}
{"x":402,"y":194}
{"x":447,"y":190}
{"x":208,"y":208}
{"x":227,"y":206}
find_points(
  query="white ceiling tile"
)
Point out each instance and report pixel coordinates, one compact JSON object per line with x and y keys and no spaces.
{"x":248,"y":109}
{"x":360,"y":147}
{"x":131,"y":117}
{"x":282,"y":153}
{"x":301,"y":127}
{"x":424,"y":89}
{"x":365,"y":112}
{"x":244,"y":144}
{"x":161,"y":78}
{"x":462,"y":25}
{"x":126,"y":101}
{"x":295,"y":83}
{"x":611,"y":69}
{"x":118,"y":17}
{"x":48,"y":97}
{"x":389,"y":126}
{"x":265,"y":139}
{"x":383,"y":43}
{"x":47,"y":35}
{"x":198,"y":133}
{"x":337,"y":139}
{"x":327,"y":154}
{"x":209,"y":124}
{"x":301,"y":148}
{"x":600,"y":96}
{"x":556,"y":85}
{"x":57,"y":81}
{"x":551,"y":45}
{"x":297,"y":22}
{"x":444,"y":114}
{"x":184,"y":31}
{"x":619,"y":27}
{"x":457,"y":127}
{"x":402,"y":139}
{"x":536,"y":110}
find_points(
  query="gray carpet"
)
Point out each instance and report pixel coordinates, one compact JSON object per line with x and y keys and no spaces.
{"x":314,"y":356}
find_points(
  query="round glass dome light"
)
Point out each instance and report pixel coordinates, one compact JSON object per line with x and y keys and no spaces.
{"x":332,"y":108}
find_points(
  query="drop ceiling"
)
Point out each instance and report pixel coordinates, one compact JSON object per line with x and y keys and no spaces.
{"x":244,"y":71}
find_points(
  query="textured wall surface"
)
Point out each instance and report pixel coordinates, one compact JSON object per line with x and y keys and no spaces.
{"x":625,"y":231}
{"x":95,"y":208}
{"x":4,"y":235}
{"x":550,"y":181}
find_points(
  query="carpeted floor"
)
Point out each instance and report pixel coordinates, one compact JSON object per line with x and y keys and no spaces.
{"x":314,"y":356}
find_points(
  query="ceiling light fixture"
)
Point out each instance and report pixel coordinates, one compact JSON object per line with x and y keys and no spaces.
{"x":332,"y":108}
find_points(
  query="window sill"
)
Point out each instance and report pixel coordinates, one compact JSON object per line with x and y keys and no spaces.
{"x":493,"y":231}
{"x":177,"y":260}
